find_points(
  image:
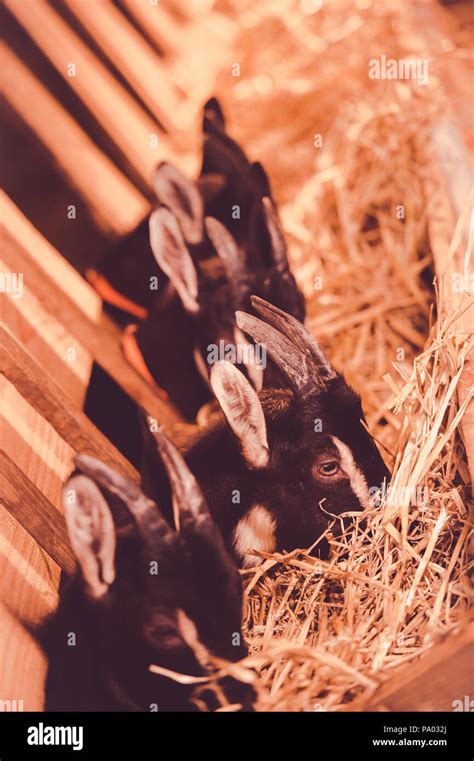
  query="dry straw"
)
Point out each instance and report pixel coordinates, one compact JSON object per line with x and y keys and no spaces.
{"x":324,"y":635}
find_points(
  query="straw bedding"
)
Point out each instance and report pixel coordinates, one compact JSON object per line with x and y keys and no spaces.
{"x":324,"y":635}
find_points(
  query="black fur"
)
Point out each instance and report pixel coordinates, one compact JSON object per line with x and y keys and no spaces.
{"x":301,"y":505}
{"x":134,"y":624}
{"x":168,"y":337}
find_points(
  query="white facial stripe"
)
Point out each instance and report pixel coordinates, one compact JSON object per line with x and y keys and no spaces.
{"x":356,"y":477}
{"x":256,"y":531}
{"x":188,"y":631}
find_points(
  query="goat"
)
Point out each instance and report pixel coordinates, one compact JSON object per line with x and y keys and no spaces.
{"x":144,"y":594}
{"x":211,"y":288}
{"x":283,"y":464}
{"x":228,"y":182}
{"x":205,"y":274}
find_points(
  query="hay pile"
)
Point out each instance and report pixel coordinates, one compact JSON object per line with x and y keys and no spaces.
{"x":323,"y":635}
{"x":325,"y":632}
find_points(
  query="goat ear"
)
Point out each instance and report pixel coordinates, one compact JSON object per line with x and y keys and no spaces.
{"x":214,"y":113}
{"x":91,"y":532}
{"x":261,"y":182}
{"x":241,"y":406}
{"x":172,"y":255}
{"x":174,"y":190}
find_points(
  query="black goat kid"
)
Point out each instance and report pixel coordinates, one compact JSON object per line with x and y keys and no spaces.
{"x":209,"y":244}
{"x":230,"y":189}
{"x":289,"y":461}
{"x":144,"y":595}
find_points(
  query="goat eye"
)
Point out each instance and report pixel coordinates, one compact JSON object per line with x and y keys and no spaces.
{"x":328,"y":469}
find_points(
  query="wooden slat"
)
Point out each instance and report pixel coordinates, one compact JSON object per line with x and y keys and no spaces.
{"x":22,"y":664}
{"x":447,"y":187}
{"x":124,"y":120}
{"x":115,"y":203}
{"x":448,"y":182}
{"x":185,"y":9}
{"x":102,"y":340}
{"x":135,"y":59}
{"x":35,"y":513}
{"x":127,"y":124}
{"x":45,"y":255}
{"x":433,"y":683}
{"x":47,"y":339}
{"x":441,"y":225}
{"x":41,"y":391}
{"x":159,"y":25}
{"x":438,"y":29}
{"x":203,"y":45}
{"x":29,"y":577}
{"x":33,"y":444}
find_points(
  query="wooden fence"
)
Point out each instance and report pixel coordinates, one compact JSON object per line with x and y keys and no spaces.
{"x":133,"y":67}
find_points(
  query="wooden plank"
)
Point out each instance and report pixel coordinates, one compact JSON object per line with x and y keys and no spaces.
{"x":35,"y":323}
{"x":135,"y":59}
{"x":203,"y":45}
{"x":159,"y":25}
{"x":35,"y":513}
{"x":448,"y":62}
{"x":122,"y":117}
{"x":115,"y":203}
{"x":447,"y":188}
{"x":33,"y":444}
{"x":458,"y":301}
{"x":102,"y":340}
{"x":22,"y":666}
{"x":65,"y":277}
{"x":444,"y":675}
{"x":47,"y":339}
{"x":29,"y":577}
{"x":43,"y":393}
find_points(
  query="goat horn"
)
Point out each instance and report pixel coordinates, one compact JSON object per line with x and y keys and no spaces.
{"x":290,"y":361}
{"x":152,"y":526}
{"x":188,"y":500}
{"x":300,"y":337}
{"x":230,"y":255}
{"x":277,"y":238}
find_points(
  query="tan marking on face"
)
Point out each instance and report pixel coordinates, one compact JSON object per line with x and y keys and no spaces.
{"x":354,"y":473}
{"x":188,"y":631}
{"x":256,"y":531}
